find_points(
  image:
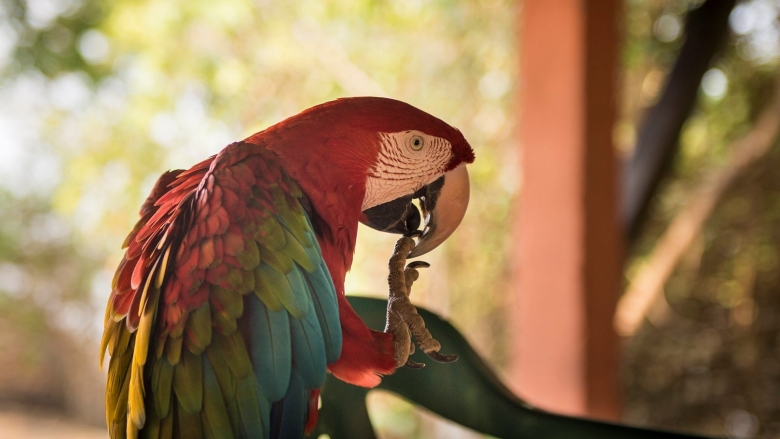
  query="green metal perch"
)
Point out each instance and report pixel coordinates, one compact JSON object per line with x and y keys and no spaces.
{"x":467,"y":392}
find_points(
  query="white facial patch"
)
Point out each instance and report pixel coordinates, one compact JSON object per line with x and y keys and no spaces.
{"x":407,"y":161}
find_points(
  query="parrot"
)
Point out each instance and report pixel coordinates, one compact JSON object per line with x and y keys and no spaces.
{"x":228,"y":308}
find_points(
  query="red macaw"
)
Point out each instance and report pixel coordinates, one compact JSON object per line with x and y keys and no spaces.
{"x":228,"y":307}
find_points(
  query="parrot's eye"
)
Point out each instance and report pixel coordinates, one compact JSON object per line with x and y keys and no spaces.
{"x":416,"y":143}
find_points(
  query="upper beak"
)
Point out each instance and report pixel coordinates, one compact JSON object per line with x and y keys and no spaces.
{"x":443,"y":203}
{"x":443,"y":213}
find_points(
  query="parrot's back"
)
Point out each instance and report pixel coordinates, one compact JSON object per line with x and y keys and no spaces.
{"x":223,"y":316}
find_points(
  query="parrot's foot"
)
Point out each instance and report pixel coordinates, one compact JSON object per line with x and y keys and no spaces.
{"x":402,"y":318}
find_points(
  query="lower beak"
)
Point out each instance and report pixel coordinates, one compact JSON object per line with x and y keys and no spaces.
{"x":444,"y":211}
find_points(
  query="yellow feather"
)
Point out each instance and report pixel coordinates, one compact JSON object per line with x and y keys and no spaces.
{"x":161,"y":272}
{"x":142,"y":304}
{"x":163,"y":239}
{"x":132,"y":431}
{"x":120,"y":341}
{"x":107,"y":315}
{"x":108,"y":335}
{"x":136,"y":413}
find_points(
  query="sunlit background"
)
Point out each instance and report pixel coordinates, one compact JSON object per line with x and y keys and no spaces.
{"x":97,"y":98}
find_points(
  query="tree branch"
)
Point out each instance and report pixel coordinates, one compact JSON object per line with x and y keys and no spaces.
{"x":705,"y":32}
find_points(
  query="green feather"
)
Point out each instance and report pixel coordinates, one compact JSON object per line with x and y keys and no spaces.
{"x":173,"y":348}
{"x":248,"y":279}
{"x":295,"y":191}
{"x":298,"y":253}
{"x":188,"y":383}
{"x":295,"y":221}
{"x":178,"y":328}
{"x":214,"y":415}
{"x":159,"y":345}
{"x":220,"y":365}
{"x":198,"y":329}
{"x":232,"y":349}
{"x":274,"y":283}
{"x":152,"y":427}
{"x":300,"y":227}
{"x":166,"y":427}
{"x":265,"y":292}
{"x":279,"y":200}
{"x":224,"y":324}
{"x":189,"y":424}
{"x":254,"y":411}
{"x":270,"y":234}
{"x":279,"y":261}
{"x":162,"y":382}
{"x":234,"y":280}
{"x":232,"y":410}
{"x":232,"y":303}
{"x":249,"y":257}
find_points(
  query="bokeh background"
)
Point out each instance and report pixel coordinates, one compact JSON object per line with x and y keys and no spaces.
{"x":98,"y":97}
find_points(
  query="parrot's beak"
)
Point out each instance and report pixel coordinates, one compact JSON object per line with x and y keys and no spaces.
{"x":443,"y":204}
{"x":443,"y":210}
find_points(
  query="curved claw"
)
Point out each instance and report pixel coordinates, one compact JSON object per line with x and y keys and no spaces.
{"x":418,"y":264}
{"x":441,"y":358}
{"x":413,"y":364}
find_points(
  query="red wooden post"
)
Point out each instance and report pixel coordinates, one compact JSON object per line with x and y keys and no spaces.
{"x":569,"y":250}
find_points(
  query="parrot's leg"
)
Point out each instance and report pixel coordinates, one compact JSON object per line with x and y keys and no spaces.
{"x":403,"y":321}
{"x":411,"y":275}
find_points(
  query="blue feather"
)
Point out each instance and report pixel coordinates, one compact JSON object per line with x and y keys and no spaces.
{"x":324,"y":300}
{"x":290,"y":414}
{"x":269,"y":347}
{"x":308,"y":349}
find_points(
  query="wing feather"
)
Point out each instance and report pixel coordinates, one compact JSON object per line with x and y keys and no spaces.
{"x":214,"y":415}
{"x":326,"y":310}
{"x":222,"y":310}
{"x":271,"y":353}
{"x":162,"y":383}
{"x":253,"y":409}
{"x":308,"y":353}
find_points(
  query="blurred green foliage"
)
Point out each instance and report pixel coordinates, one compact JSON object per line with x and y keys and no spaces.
{"x":50,"y":37}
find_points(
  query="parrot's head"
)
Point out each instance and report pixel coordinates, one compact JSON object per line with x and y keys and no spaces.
{"x":419,"y":158}
{"x":389,"y":153}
